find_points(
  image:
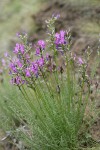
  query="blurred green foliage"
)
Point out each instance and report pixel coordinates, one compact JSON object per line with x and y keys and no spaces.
{"x":16,"y":16}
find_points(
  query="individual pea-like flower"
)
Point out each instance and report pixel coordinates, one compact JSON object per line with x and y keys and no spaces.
{"x":17,"y":34}
{"x":37,"y":51}
{"x":17,"y":80}
{"x":34,"y":67}
{"x":6,"y":54}
{"x":16,"y":49}
{"x":27,"y":58}
{"x":3,"y":62}
{"x":13,"y":68}
{"x":27,"y":72}
{"x":41,"y":44}
{"x":60,"y":39}
{"x":47,"y":56}
{"x":56,"y":16}
{"x":19,"y":64}
{"x":22,"y":50}
{"x":40,"y":47}
{"x":80,"y":61}
{"x":15,"y":64}
{"x":19,"y":48}
{"x":40,"y":62}
{"x":74,"y":57}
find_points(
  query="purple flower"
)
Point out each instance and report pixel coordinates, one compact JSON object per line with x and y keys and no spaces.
{"x":22,"y":48}
{"x":18,"y":34}
{"x":6,"y":54}
{"x":41,"y":44}
{"x":19,"y":64}
{"x":56,"y":16}
{"x":40,"y":62}
{"x":19,"y":48}
{"x":57,"y":36}
{"x":34,"y":67}
{"x":47,"y":56}
{"x":27,"y":71}
{"x":80,"y":61}
{"x":16,"y":49}
{"x":3,"y":62}
{"x":27,"y":56}
{"x":40,"y":47}
{"x":37,"y":51}
{"x":17,"y":80}
{"x":13,"y":67}
{"x":74,"y":57}
{"x":60,"y":39}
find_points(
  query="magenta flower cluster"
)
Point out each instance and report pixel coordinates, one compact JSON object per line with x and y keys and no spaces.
{"x":60,"y":39}
{"x":40,"y":47}
{"x":19,"y":48}
{"x":23,"y":68}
